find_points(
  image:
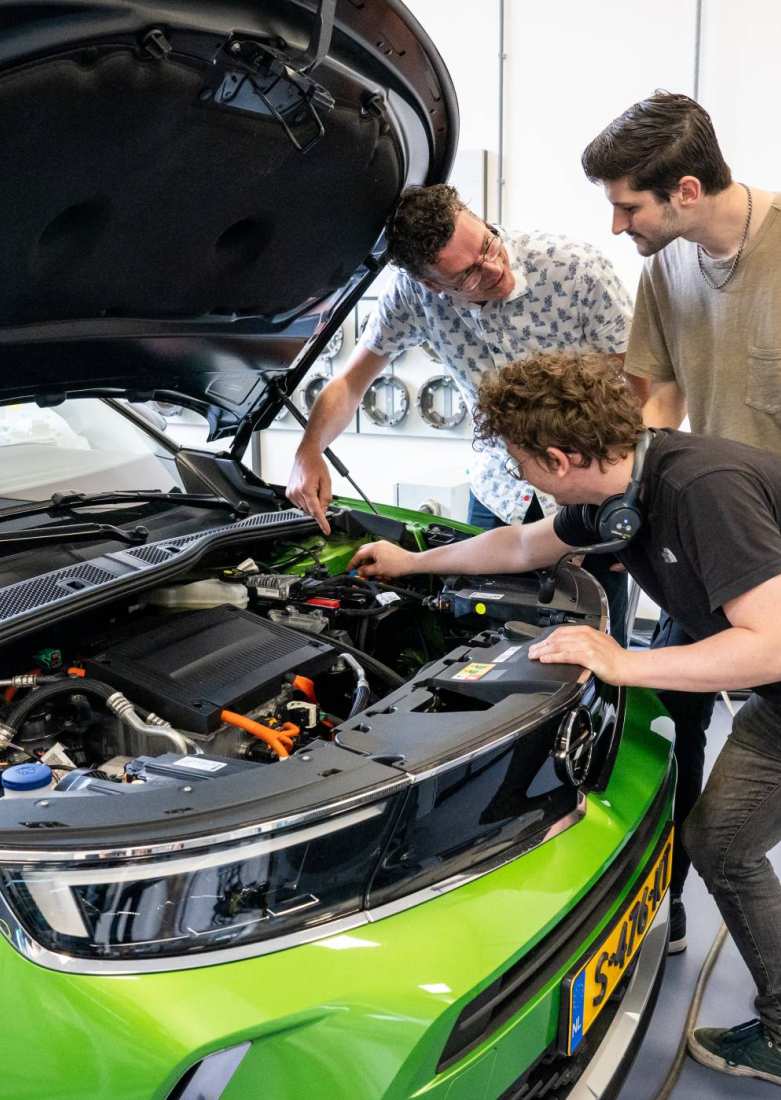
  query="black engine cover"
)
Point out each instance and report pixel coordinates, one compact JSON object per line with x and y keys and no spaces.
{"x":190,"y":666}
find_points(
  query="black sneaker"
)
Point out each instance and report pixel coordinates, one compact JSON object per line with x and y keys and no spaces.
{"x":743,"y":1051}
{"x":677,"y":927}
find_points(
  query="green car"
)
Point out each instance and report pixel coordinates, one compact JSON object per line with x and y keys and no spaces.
{"x":270,"y":830}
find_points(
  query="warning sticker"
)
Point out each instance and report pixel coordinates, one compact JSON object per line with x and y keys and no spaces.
{"x":476,"y":670}
{"x":200,"y":764}
{"x":384,"y":598}
{"x":508,"y":654}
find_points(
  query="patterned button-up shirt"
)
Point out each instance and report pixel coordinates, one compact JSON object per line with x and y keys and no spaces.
{"x":566,"y":295}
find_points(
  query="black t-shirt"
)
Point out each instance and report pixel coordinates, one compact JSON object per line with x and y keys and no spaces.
{"x":711,"y":528}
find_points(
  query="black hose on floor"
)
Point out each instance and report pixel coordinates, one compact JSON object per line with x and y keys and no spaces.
{"x":674,"y":1072}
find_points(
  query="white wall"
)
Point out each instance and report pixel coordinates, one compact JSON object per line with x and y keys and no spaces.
{"x":467,"y":36}
{"x":570,"y":67}
{"x":739,"y":85}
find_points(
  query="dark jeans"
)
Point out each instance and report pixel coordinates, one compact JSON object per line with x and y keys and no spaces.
{"x":691,"y":713}
{"x":614,"y":584}
{"x":735,"y":822}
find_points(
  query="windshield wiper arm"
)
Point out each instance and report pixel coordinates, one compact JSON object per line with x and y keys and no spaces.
{"x":70,"y":532}
{"x":67,"y":501}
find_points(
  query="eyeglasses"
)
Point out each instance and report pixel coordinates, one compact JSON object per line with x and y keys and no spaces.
{"x":514,"y":469}
{"x":470,"y":279}
{"x":492,"y":250}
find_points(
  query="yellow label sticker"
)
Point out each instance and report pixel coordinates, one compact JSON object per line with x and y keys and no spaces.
{"x":480,"y":608}
{"x":476,"y":670}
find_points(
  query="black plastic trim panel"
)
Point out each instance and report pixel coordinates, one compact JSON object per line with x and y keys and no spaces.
{"x":74,"y":581}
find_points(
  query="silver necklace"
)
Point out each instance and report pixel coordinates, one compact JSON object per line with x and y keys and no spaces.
{"x":734,"y":265}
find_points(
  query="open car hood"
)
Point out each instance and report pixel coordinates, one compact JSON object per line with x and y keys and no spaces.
{"x":198,"y":189}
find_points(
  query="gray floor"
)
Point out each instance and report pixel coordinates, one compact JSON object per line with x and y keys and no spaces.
{"x":728,"y":998}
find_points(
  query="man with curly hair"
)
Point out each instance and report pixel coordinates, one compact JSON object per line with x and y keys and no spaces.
{"x":708,"y":551}
{"x":480,"y":297}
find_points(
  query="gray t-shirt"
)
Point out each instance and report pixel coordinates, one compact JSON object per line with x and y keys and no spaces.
{"x":722,"y":347}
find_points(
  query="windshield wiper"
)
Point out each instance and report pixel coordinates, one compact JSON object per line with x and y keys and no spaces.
{"x":68,"y":500}
{"x":70,"y":532}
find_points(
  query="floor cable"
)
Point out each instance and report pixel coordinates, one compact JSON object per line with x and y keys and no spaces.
{"x":695,"y":1004}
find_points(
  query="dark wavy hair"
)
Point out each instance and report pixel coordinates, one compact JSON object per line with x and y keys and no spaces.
{"x":561,"y":399}
{"x":655,"y":143}
{"x":421,"y":225}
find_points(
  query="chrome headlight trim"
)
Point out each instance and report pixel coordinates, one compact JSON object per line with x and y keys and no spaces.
{"x":163,"y":848}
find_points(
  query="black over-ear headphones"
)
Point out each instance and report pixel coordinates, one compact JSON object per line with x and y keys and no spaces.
{"x":619,"y":516}
{"x":618,"y":519}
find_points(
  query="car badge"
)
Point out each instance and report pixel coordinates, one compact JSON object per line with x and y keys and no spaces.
{"x":574,"y":746}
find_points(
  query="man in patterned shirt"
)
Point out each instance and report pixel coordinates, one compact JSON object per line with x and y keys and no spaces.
{"x":481,"y":297}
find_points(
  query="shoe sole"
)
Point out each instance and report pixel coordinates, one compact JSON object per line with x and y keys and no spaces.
{"x":707,"y":1058}
{"x":675,"y":947}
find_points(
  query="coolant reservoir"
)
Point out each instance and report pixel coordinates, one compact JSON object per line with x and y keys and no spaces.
{"x":27,"y":781}
{"x":199,"y":594}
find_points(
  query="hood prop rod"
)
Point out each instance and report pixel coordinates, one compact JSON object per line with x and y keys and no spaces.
{"x":322,"y":32}
{"x":337,"y":463}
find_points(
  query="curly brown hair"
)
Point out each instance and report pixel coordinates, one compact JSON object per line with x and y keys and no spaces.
{"x":577,"y":403}
{"x":421,"y":225}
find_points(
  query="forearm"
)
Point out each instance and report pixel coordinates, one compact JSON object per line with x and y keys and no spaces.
{"x":640,"y":387}
{"x":331,"y":413}
{"x":666,"y":407}
{"x":512,"y":549}
{"x":497,"y":551}
{"x":735,"y":658}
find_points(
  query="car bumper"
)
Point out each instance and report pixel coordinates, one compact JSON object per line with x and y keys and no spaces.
{"x":610,"y":1063}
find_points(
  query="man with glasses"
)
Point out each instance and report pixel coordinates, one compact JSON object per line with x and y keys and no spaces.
{"x":480,"y":297}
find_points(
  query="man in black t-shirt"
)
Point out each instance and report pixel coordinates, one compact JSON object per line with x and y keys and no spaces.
{"x":708,"y":551}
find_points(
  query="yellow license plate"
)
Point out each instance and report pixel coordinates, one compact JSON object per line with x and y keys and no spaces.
{"x":587,"y":990}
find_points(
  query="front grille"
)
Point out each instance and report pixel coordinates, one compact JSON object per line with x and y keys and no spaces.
{"x":509,"y":992}
{"x":554,"y":1074}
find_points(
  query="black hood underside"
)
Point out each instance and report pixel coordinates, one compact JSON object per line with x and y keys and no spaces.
{"x":190,"y":168}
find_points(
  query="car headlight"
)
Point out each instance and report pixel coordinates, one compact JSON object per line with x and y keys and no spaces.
{"x":216,"y":897}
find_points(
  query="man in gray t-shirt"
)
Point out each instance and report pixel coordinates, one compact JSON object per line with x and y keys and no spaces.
{"x":706,"y":333}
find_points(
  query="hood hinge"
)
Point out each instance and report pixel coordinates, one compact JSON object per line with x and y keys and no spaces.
{"x":264,"y":77}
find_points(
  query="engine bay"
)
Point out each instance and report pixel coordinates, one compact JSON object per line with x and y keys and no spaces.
{"x":246,"y":662}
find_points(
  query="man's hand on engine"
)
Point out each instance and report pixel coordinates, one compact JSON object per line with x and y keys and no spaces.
{"x":382,"y":559}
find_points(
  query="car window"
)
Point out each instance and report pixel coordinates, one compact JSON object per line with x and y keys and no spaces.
{"x":83,"y":445}
{"x":183,"y":426}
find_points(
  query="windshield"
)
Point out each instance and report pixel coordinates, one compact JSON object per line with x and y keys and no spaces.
{"x":82,"y":445}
